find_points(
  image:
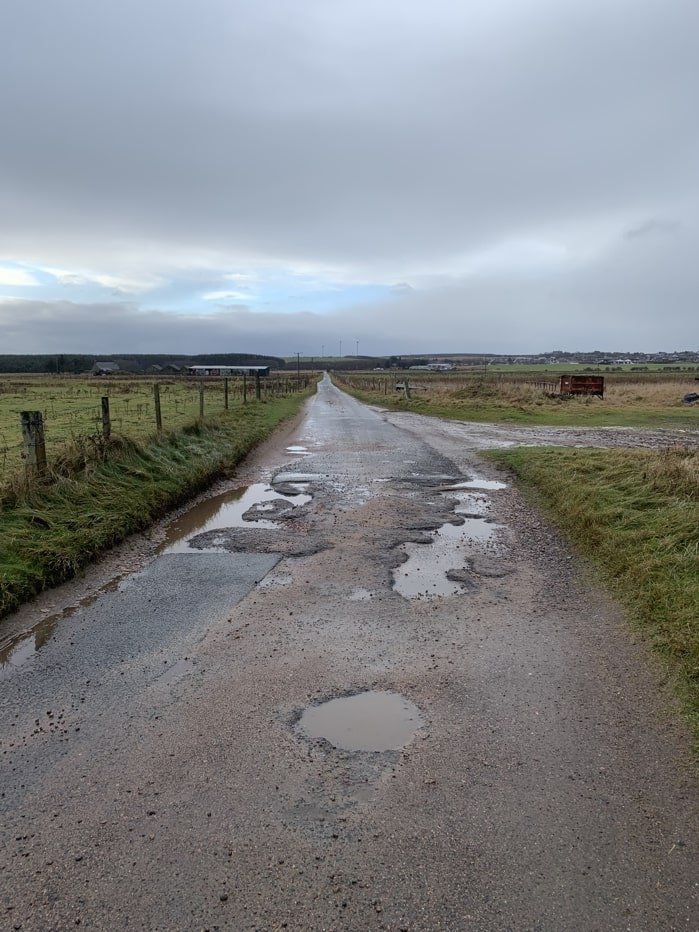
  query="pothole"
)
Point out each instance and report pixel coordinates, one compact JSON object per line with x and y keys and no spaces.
{"x":298,"y":450}
{"x":367,"y":721}
{"x":251,"y":506}
{"x":428,"y":571}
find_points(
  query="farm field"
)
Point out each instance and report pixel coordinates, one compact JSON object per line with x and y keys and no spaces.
{"x":635,"y":400}
{"x":71,"y":408}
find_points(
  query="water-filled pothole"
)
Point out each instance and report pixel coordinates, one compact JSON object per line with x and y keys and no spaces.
{"x":237,"y":508}
{"x":424,"y":573}
{"x":367,"y":721}
{"x":298,"y":450}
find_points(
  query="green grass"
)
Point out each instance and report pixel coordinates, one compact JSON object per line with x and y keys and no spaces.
{"x":635,"y":514}
{"x":71,"y":407}
{"x":48,"y":532}
{"x":654,"y":403}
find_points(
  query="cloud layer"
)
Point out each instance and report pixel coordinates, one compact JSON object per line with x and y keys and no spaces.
{"x":528,"y":168}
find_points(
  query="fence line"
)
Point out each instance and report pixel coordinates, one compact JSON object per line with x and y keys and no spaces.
{"x":139,"y":413}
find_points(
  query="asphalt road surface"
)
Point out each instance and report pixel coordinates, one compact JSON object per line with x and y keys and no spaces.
{"x":504,"y":755}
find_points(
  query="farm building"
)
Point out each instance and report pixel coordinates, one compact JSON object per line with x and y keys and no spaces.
{"x":227,"y":370}
{"x":105,"y":368}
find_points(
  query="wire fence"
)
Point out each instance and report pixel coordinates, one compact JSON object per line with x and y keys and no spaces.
{"x":72,"y":411}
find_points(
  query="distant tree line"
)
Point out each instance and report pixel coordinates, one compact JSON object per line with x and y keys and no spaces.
{"x":75,"y":364}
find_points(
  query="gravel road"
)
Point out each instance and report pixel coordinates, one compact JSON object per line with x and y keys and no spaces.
{"x":505,"y":756}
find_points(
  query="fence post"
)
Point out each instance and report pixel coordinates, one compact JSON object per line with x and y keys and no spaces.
{"x":34,"y":443}
{"x":225,"y":394}
{"x":245,"y":389}
{"x":406,"y":387}
{"x":258,"y":387}
{"x":201,"y":400}
{"x":106,"y":420}
{"x":158,"y":413}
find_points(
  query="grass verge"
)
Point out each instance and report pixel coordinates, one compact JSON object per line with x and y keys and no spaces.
{"x":50,"y":532}
{"x":635,"y":515}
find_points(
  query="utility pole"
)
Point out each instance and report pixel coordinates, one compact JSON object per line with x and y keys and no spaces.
{"x":298,"y":368}
{"x":340,"y":347}
{"x":322,"y":350}
{"x":357,"y":348}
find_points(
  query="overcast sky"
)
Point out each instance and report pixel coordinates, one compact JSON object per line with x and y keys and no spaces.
{"x":281,"y":175}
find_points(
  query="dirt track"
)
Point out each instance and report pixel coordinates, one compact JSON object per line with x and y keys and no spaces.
{"x":155,"y":770}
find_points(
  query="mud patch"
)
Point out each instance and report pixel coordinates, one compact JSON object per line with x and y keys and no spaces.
{"x":366,"y":721}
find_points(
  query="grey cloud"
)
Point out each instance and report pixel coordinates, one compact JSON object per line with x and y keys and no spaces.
{"x":389,"y":140}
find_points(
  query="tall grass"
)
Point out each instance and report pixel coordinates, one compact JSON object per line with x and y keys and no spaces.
{"x":627,"y":402}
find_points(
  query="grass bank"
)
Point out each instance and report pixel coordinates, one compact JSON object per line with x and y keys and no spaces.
{"x":635,"y":515}
{"x":49,"y":532}
{"x":627,"y":403}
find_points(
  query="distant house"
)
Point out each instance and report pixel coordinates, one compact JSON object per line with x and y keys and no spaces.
{"x":171,"y":367}
{"x":105,"y":368}
{"x":154,"y":368}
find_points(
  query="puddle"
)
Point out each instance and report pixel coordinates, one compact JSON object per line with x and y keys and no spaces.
{"x":18,"y":650}
{"x":486,"y":484}
{"x":228,"y":510}
{"x":367,"y":721}
{"x":424,"y":573}
{"x":298,"y":450}
{"x":472,"y":504}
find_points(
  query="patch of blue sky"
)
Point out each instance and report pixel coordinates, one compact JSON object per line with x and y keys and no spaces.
{"x":193,"y":290}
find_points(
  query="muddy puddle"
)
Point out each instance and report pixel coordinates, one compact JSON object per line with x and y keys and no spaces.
{"x":424,"y":573}
{"x":297,"y":450}
{"x":366,"y":721}
{"x":244,"y":507}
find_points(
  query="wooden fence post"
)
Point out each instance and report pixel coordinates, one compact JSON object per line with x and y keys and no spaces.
{"x":34,"y":443}
{"x":106,"y":420}
{"x":225,"y":394}
{"x":258,"y":387}
{"x":158,"y":413}
{"x":245,"y":389}
{"x":201,"y":400}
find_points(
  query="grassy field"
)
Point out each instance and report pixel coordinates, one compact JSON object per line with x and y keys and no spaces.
{"x":635,"y":515}
{"x":632,"y":400}
{"x":71,"y":408}
{"x":51,"y":530}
